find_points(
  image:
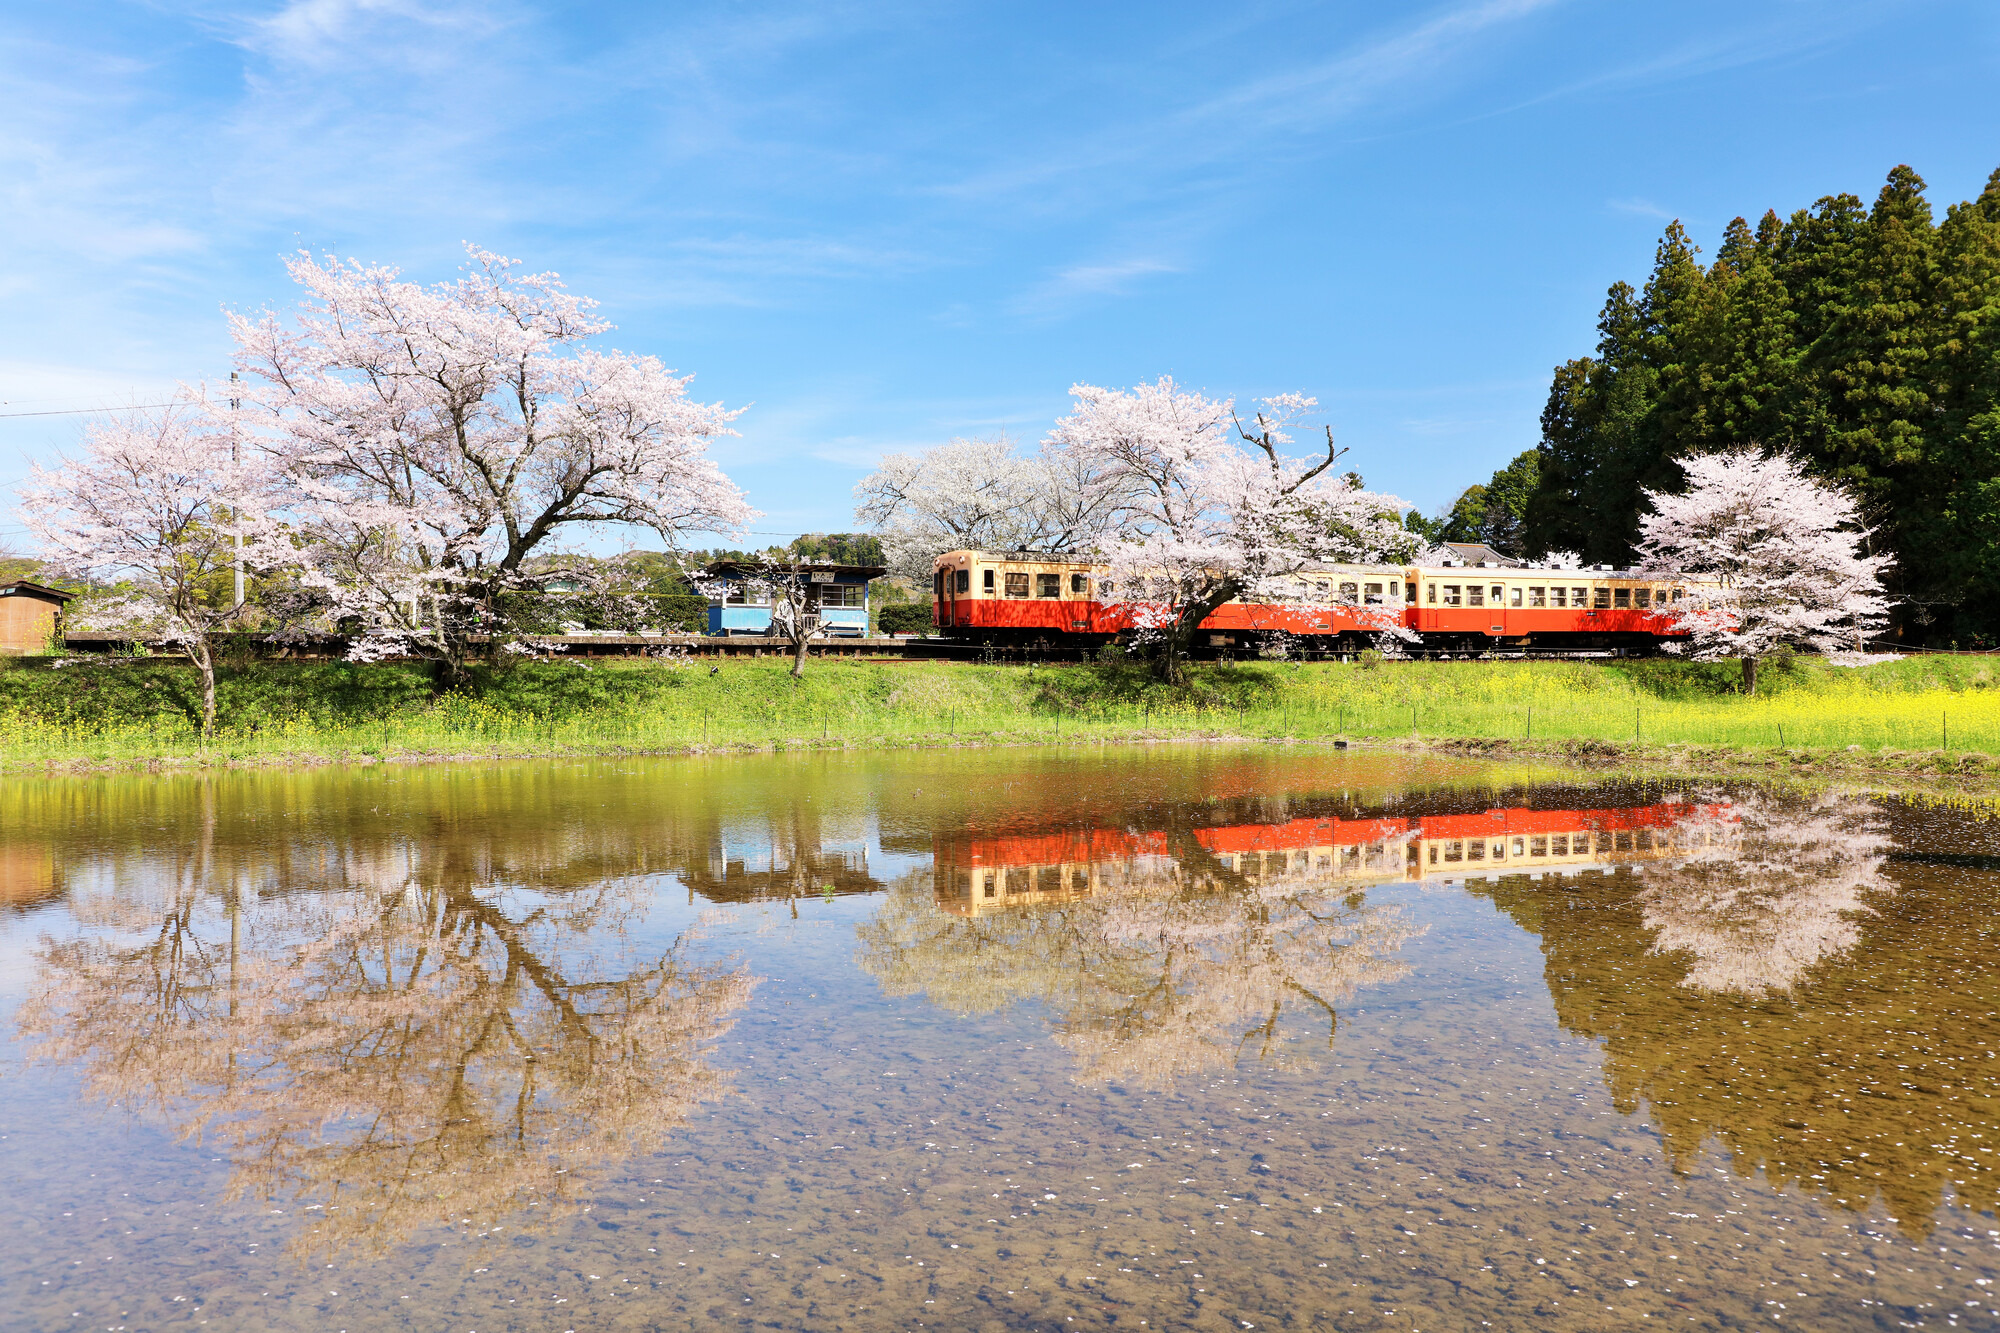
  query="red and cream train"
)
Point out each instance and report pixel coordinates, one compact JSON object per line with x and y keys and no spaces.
{"x":1019,"y":598}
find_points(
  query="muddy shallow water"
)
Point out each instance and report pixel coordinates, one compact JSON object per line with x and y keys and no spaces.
{"x":1202,"y":1039}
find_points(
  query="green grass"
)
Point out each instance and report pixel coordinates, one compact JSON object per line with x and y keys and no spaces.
{"x":132,"y":711}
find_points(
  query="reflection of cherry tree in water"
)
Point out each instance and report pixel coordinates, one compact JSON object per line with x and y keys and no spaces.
{"x":1847,"y":1054}
{"x":1182,"y":968}
{"x":395,"y":1057}
{"x":1768,"y":888}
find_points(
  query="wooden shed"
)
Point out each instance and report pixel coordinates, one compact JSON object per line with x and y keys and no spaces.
{"x":29,"y":613}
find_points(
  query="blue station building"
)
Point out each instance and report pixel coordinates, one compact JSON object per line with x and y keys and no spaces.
{"x":838,"y":596}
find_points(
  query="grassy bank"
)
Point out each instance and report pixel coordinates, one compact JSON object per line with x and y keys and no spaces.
{"x":138,"y":711}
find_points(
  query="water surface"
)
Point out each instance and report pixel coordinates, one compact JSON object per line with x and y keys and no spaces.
{"x":1190,"y":1038}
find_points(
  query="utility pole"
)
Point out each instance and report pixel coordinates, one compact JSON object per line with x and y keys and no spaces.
{"x":236,"y":459}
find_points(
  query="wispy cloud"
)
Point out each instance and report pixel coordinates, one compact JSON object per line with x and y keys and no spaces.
{"x":1073,"y":286}
{"x":1644,"y":208}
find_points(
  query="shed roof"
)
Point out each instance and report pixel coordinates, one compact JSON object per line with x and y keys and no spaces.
{"x":725,"y":568}
{"x":25,"y":588}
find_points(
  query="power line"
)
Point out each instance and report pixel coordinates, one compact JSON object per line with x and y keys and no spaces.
{"x":81,"y":411}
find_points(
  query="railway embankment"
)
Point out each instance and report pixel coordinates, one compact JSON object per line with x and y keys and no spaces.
{"x":1938,"y":715}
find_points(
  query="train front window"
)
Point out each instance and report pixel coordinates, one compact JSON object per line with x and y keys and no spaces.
{"x":1048,"y":585}
{"x":1373,"y":592}
{"x":1017,"y":585}
{"x":1539,"y":596}
{"x":1622,"y":599}
{"x":1475,"y":595}
{"x":1079,"y":585}
{"x":1514,"y":595}
{"x":962,"y":581}
{"x":1450,"y":594}
{"x":1603,"y":602}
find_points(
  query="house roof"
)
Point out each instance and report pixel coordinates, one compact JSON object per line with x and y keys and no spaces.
{"x":1473,"y":553}
{"x":724,"y":568}
{"x":23,"y":587}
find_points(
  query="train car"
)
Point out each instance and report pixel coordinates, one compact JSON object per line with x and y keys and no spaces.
{"x":1021,"y":597}
{"x":1466,"y":609}
{"x":977,"y":876}
{"x":1012,"y":598}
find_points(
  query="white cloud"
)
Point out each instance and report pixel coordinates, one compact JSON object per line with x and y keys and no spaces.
{"x":1073,"y":286}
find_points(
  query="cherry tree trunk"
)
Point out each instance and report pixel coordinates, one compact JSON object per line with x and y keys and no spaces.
{"x":1750,"y":677}
{"x":1177,"y":640}
{"x":203,"y":653}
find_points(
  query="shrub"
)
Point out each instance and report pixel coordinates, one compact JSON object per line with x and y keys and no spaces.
{"x":904,"y":618}
{"x":1370,"y":658}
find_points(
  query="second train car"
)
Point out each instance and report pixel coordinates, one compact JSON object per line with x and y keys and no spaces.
{"x":1018,"y":598}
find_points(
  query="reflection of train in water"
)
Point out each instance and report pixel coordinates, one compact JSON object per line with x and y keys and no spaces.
{"x":977,"y":875}
{"x":1023,"y":597}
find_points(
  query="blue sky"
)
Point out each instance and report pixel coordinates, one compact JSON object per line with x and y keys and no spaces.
{"x":883,"y":225}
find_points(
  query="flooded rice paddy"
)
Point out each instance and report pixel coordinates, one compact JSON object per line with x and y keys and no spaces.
{"x":1192,"y":1039}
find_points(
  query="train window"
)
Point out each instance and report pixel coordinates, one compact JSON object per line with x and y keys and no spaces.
{"x":1409,"y":592}
{"x":1434,"y":594}
{"x":1322,"y":588}
{"x":1514,"y":595}
{"x":1451,"y":597}
{"x":1539,"y":596}
{"x":1622,"y":598}
{"x":1475,"y":595}
{"x":1559,"y":597}
{"x":1559,"y":845}
{"x":1476,"y":849}
{"x":963,"y":582}
{"x":1642,"y":596}
{"x":1017,"y":585}
{"x":1679,"y":593}
{"x":1603,"y":599}
{"x":1454,"y":851}
{"x":1538,"y":846}
{"x":1497,"y":592}
{"x":989,"y":580}
{"x":937,"y":583}
{"x":990,"y":886}
{"x":1048,"y":585}
{"x":1105,"y":587}
{"x":1348,"y":593}
{"x":1579,"y":597}
{"x":1373,"y":592}
{"x":1079,"y":585}
{"x":1520,"y":847}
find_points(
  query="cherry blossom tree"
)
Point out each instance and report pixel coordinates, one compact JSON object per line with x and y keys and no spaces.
{"x":983,"y":495}
{"x":441,"y":435}
{"x":1770,"y":886}
{"x":162,"y":507}
{"x":1206,"y":509}
{"x":1780,"y":555}
{"x":785,"y":582}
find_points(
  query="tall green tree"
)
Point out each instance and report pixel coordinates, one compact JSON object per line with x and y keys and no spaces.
{"x":1864,"y":339}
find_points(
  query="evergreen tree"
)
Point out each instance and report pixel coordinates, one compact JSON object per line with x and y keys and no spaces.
{"x":1960,"y":559}
{"x":1865,"y":340}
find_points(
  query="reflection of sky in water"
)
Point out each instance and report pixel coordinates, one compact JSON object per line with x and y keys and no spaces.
{"x":601,"y":1050}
